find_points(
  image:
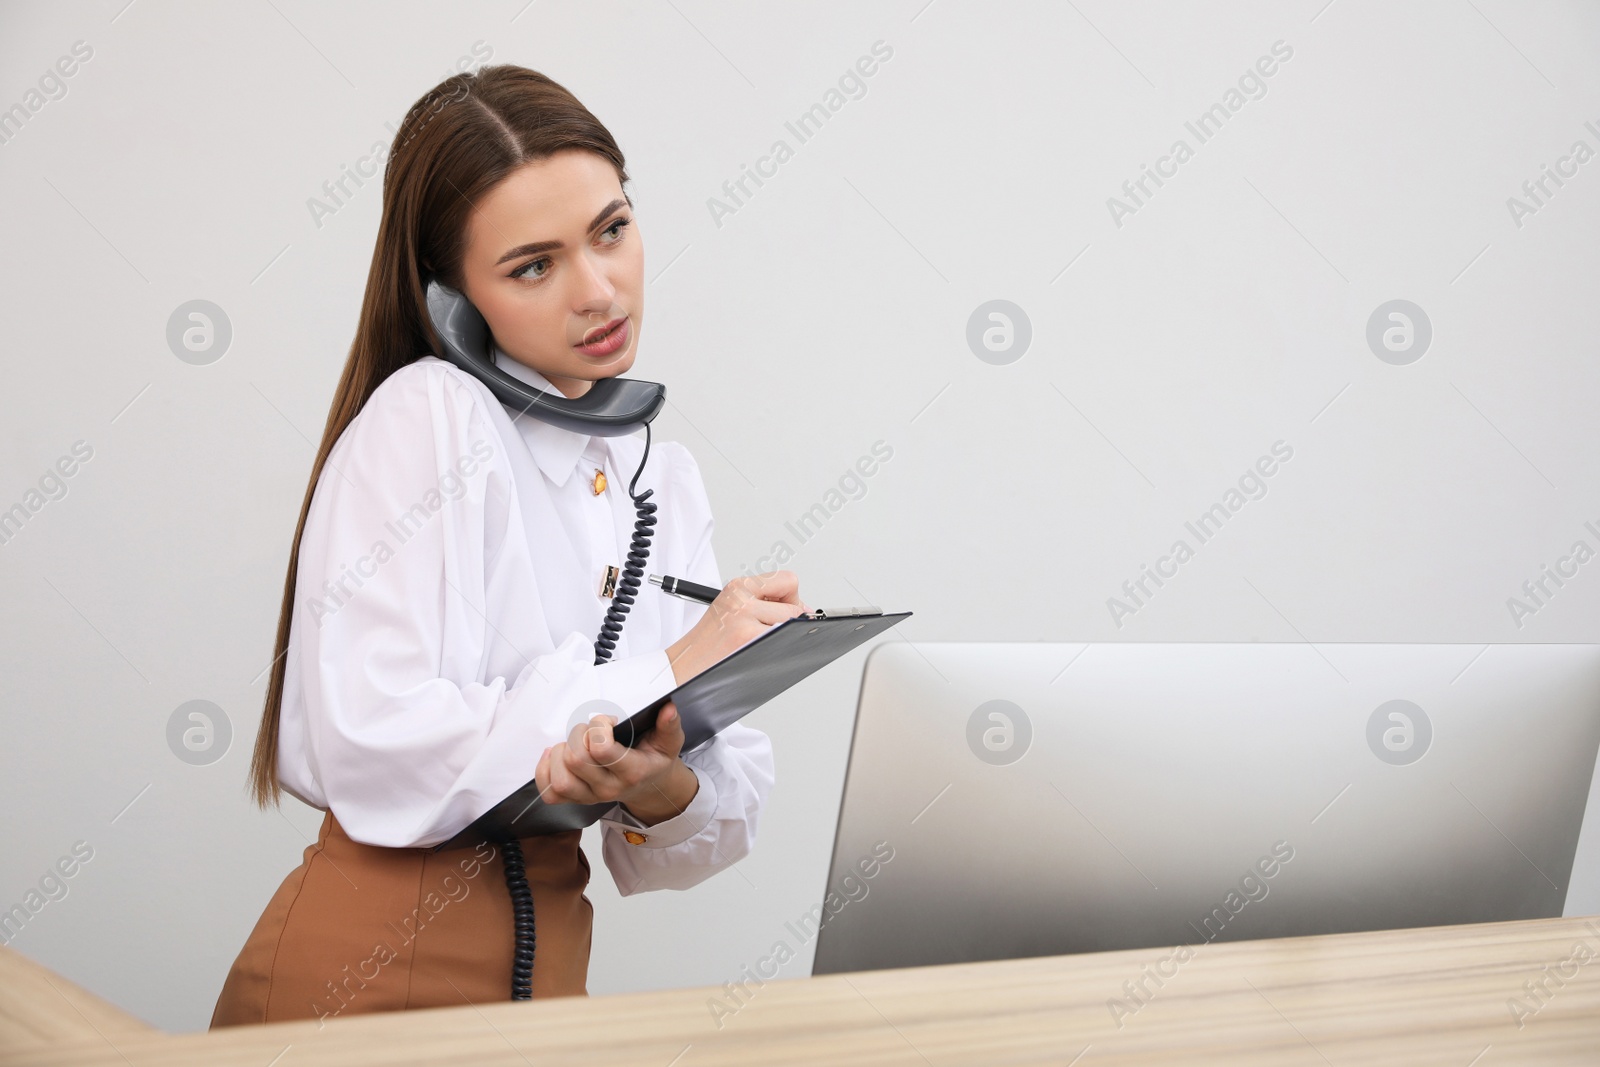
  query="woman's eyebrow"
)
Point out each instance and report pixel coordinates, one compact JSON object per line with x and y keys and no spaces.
{"x":550,"y":246}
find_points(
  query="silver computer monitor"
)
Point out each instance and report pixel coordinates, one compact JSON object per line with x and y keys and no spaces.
{"x":1010,"y":800}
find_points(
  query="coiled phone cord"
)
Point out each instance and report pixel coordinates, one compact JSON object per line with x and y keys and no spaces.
{"x":633,"y":569}
{"x":522,"y":915}
{"x":621,"y":600}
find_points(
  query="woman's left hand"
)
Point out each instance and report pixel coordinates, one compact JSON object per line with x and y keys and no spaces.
{"x":592,"y":767}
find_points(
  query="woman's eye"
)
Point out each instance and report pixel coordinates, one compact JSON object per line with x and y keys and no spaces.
{"x":543,"y":262}
{"x":523,"y":270}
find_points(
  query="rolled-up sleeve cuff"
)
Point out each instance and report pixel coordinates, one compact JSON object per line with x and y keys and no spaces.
{"x":674,"y":831}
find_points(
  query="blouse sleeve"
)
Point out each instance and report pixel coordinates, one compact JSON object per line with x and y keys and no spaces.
{"x":391,"y":632}
{"x":734,"y":768}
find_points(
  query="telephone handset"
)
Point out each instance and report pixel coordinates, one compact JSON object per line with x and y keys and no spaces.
{"x":612,"y":407}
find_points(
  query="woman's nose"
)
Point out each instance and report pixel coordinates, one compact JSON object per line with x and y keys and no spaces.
{"x":594,"y":291}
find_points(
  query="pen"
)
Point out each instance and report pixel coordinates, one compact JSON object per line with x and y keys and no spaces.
{"x":702,"y":594}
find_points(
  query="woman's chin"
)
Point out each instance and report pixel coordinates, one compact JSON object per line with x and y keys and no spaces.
{"x":610,"y":367}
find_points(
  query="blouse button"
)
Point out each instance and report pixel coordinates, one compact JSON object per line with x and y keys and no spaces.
{"x":599,"y":481}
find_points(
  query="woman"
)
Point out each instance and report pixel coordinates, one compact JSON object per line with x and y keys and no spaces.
{"x":434,"y":649}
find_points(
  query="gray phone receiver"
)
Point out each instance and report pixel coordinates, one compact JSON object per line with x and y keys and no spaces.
{"x":613,"y":407}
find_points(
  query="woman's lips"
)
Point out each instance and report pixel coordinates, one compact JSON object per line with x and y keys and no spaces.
{"x":613,"y":337}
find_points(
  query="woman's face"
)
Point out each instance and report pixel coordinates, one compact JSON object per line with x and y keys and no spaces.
{"x":553,"y":258}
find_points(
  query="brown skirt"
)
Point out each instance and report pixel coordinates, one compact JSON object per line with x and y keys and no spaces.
{"x":358,"y":928}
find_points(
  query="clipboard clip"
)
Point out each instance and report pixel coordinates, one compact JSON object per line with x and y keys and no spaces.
{"x":844,"y":613}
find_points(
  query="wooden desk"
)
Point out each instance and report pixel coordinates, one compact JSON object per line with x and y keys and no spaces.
{"x":41,"y":1009}
{"x":1437,"y":995}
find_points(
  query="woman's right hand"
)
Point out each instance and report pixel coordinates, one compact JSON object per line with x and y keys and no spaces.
{"x":746,"y":608}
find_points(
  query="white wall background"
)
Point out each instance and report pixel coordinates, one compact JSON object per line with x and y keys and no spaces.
{"x":829,"y":312}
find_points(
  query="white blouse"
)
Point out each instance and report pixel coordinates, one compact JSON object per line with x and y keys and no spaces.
{"x":446,"y":606}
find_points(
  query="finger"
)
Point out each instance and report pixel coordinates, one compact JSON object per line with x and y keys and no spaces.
{"x":549,"y":792}
{"x":599,"y":782}
{"x":541,"y":774}
{"x":577,"y":736}
{"x":775,"y":585}
{"x":786,"y":586}
{"x":600,"y":742}
{"x":563,"y":783}
{"x":667,"y":737}
{"x":768,"y":612}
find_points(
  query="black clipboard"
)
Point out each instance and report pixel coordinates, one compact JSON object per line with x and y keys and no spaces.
{"x":717,"y":697}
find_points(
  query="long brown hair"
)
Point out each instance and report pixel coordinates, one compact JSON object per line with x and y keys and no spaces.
{"x":455,"y":144}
